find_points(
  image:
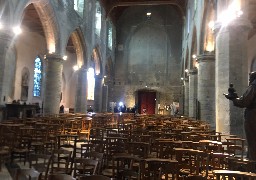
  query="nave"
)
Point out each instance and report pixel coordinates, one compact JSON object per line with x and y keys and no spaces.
{"x":120,"y":146}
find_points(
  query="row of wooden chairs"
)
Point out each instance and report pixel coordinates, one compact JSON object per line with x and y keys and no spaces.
{"x":31,"y":173}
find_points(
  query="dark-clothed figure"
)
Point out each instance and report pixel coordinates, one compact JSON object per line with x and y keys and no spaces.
{"x":248,"y":101}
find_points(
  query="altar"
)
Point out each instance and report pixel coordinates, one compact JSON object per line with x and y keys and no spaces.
{"x":20,"y":110}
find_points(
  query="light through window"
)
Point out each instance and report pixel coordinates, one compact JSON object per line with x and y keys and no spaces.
{"x":37,"y":77}
{"x":98,"y":19}
{"x":79,"y":7}
{"x":91,"y":84}
{"x":110,"y":37}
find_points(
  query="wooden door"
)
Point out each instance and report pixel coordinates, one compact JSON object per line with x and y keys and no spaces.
{"x":147,"y":102}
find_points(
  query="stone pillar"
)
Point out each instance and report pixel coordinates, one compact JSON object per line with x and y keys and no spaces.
{"x":206,"y":88}
{"x":105,"y":98}
{"x":98,"y":93}
{"x":182,"y":99}
{"x":192,"y":101}
{"x":5,"y":42}
{"x":231,"y":67}
{"x":81,"y":91}
{"x":186,"y":96}
{"x":53,"y":78}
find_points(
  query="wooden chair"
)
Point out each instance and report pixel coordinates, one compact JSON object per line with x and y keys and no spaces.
{"x":86,"y":128}
{"x":61,"y":162}
{"x":7,"y":141}
{"x":69,"y":142}
{"x":95,"y":177}
{"x":86,"y":148}
{"x":60,"y":177}
{"x":157,"y":169}
{"x":41,"y":163}
{"x":22,"y":149}
{"x":22,"y":174}
{"x":127,"y":167}
{"x":195,"y":177}
{"x":235,"y":147}
{"x":114,"y":145}
{"x":96,"y":156}
{"x":83,"y":167}
{"x":139,"y":149}
{"x":97,"y":133}
{"x":227,"y":174}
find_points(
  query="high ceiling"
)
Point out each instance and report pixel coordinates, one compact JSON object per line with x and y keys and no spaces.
{"x":115,"y":8}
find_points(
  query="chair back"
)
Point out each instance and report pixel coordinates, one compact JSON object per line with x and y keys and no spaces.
{"x":83,"y":167}
{"x":60,"y":177}
{"x":41,"y":163}
{"x":95,"y":177}
{"x":23,"y":174}
{"x":61,"y":161}
{"x":96,"y":156}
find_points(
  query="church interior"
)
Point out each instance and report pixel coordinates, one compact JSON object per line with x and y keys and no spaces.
{"x":127,"y":89}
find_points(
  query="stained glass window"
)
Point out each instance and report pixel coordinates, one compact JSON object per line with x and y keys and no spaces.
{"x":37,"y":77}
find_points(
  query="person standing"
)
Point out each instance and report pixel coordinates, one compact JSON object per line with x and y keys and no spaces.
{"x":248,"y":101}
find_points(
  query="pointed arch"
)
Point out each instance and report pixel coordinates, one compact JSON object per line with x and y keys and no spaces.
{"x":207,"y":41}
{"x":96,"y":57}
{"x":193,"y":49}
{"x":79,"y":44}
{"x":48,"y":19}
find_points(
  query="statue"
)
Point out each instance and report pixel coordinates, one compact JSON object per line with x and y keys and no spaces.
{"x":248,"y":101}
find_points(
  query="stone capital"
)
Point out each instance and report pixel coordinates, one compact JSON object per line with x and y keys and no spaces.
{"x":207,"y":57}
{"x":99,"y":77}
{"x":240,"y":22}
{"x":51,"y":57}
{"x":216,"y":28}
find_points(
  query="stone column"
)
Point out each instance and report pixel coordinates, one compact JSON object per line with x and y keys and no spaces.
{"x":81,"y":91}
{"x":53,"y":78}
{"x":186,"y":96}
{"x":231,"y":67}
{"x":98,"y":93}
{"x":5,"y":42}
{"x":192,"y":101}
{"x":105,"y":98}
{"x":206,"y":88}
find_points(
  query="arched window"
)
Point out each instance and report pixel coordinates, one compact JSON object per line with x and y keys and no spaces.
{"x":91,"y":84}
{"x":37,"y":77}
{"x":98,"y":19}
{"x":79,"y":7}
{"x":110,"y":36}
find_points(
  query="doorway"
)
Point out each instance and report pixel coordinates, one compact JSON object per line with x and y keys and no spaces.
{"x":146,"y":102}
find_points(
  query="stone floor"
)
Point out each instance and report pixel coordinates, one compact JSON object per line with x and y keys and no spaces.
{"x":4,"y":174}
